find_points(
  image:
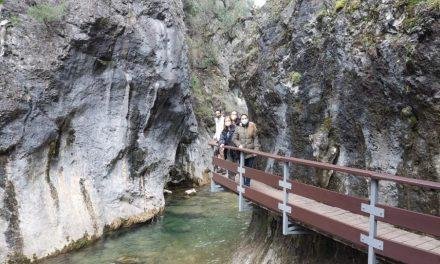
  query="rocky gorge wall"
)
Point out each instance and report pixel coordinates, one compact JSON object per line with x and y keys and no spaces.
{"x":97,"y":99}
{"x":94,"y":104}
{"x":353,"y":83}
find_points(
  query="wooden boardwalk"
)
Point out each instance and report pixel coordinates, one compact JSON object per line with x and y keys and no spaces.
{"x":403,"y":236}
{"x":385,"y":231}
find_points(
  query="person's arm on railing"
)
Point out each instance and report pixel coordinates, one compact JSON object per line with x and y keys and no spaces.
{"x":236,"y":139}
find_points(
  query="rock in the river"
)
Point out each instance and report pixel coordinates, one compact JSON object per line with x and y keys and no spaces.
{"x":93,"y":105}
{"x":191,"y":191}
{"x":128,"y":260}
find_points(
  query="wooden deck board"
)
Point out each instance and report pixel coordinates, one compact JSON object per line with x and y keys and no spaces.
{"x":405,"y":237}
{"x":335,"y":213}
{"x":397,"y":235}
{"x":430,"y":245}
{"x":419,"y":241}
{"x":383,"y":230}
{"x":436,"y":250}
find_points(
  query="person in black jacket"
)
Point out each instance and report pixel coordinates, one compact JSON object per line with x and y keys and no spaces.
{"x":235,"y":119}
{"x":226,"y":140}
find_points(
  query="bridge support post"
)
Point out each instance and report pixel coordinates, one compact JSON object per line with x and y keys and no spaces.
{"x":371,"y":240}
{"x":215,"y":187}
{"x":240,"y":187}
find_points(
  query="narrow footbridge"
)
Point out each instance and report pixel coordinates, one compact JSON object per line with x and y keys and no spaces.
{"x":383,"y":231}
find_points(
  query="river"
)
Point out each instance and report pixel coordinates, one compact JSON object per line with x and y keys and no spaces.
{"x":205,"y":228}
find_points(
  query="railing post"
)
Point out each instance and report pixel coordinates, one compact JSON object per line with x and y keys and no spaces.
{"x":373,"y":221}
{"x":288,"y":227}
{"x":374,"y":212}
{"x":240,"y":187}
{"x":286,"y":209}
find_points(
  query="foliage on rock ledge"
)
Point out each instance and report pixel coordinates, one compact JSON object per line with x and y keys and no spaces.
{"x":47,"y":12}
{"x":212,"y":26}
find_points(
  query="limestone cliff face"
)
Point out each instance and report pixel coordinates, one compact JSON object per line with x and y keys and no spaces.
{"x":212,"y":26}
{"x":353,"y":83}
{"x":93,"y":106}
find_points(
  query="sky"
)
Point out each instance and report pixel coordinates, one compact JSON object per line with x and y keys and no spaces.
{"x":259,"y":3}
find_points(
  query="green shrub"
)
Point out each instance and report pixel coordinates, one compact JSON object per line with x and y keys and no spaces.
{"x":229,"y":16}
{"x":429,"y":3}
{"x":203,"y":102}
{"x":368,"y":40}
{"x":46,"y":12}
{"x":340,"y":4}
{"x":210,"y":55}
{"x":434,"y":4}
{"x":1,"y":2}
{"x":353,"y":5}
{"x":321,"y":14}
{"x":295,"y":78}
{"x":415,"y":2}
{"x":327,"y":124}
{"x":191,"y":7}
{"x":196,"y":86}
{"x":209,"y":61}
{"x":15,"y":20}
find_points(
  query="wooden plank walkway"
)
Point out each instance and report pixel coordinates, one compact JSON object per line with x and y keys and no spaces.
{"x":385,"y":231}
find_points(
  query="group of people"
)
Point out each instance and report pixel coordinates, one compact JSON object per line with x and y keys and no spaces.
{"x":231,"y":130}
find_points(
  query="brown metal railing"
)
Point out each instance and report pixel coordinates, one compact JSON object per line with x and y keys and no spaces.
{"x":343,"y":169}
{"x":428,"y":224}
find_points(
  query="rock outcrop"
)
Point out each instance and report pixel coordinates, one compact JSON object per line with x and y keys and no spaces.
{"x":94,"y":102}
{"x":353,"y":83}
{"x":360,"y":86}
{"x":265,"y":243}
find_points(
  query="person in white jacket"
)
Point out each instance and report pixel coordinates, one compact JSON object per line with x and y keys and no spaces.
{"x":219,"y":124}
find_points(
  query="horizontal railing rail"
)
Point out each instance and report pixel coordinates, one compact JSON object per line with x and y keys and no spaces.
{"x":349,"y":170}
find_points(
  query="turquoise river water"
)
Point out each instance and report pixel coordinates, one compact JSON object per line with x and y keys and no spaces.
{"x":205,"y":228}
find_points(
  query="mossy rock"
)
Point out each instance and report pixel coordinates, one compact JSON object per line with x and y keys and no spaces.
{"x":353,"y":6}
{"x":339,"y":5}
{"x":327,"y":124}
{"x":85,"y":241}
{"x":295,"y":78}
{"x":17,"y":258}
{"x":322,"y":14}
{"x":128,"y":260}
